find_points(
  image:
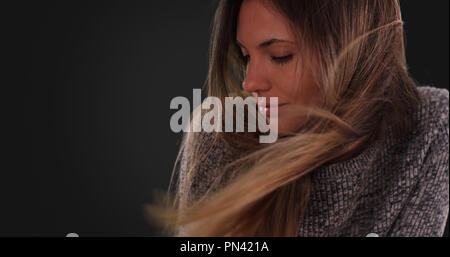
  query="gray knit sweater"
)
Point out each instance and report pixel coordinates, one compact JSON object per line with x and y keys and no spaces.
{"x":389,"y":190}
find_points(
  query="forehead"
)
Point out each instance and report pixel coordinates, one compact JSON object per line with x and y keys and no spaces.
{"x":257,"y":23}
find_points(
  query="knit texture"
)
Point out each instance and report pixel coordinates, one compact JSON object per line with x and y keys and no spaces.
{"x":399,"y":189}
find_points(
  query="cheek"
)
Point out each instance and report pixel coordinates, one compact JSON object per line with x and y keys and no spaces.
{"x":288,"y":83}
{"x":301,"y":87}
{"x":309,"y":90}
{"x":296,"y":88}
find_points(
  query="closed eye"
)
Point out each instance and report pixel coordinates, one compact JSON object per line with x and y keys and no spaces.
{"x":282,"y":59}
{"x":277,"y":59}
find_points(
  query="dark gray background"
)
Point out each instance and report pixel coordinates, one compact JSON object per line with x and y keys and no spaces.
{"x":87,"y":114}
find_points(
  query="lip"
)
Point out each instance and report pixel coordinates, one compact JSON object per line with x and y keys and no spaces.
{"x":267,"y":109}
{"x":267,"y":104}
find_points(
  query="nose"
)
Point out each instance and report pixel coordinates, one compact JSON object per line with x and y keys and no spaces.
{"x":255,"y":80}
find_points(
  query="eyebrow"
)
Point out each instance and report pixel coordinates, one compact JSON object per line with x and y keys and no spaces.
{"x":267,"y":43}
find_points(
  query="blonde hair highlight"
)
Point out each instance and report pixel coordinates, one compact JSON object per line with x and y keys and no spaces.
{"x":362,"y":75}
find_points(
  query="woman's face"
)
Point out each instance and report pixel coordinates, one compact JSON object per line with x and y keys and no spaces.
{"x":273,"y":65}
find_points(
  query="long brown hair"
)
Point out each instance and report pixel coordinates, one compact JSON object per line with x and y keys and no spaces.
{"x":360,"y":69}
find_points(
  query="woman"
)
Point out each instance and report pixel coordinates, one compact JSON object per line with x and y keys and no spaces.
{"x":362,"y":149}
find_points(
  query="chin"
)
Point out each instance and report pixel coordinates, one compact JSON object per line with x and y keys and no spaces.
{"x":288,"y":127}
{"x":284,"y":130}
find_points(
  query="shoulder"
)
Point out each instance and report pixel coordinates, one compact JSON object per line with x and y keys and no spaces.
{"x":433,"y":112}
{"x":426,"y":147}
{"x":204,"y":155}
{"x":426,"y":143}
{"x":207,"y":146}
{"x":434,"y":95}
{"x":434,"y":127}
{"x":420,"y":188}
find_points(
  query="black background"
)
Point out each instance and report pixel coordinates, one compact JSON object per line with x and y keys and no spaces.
{"x":86,"y":97}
